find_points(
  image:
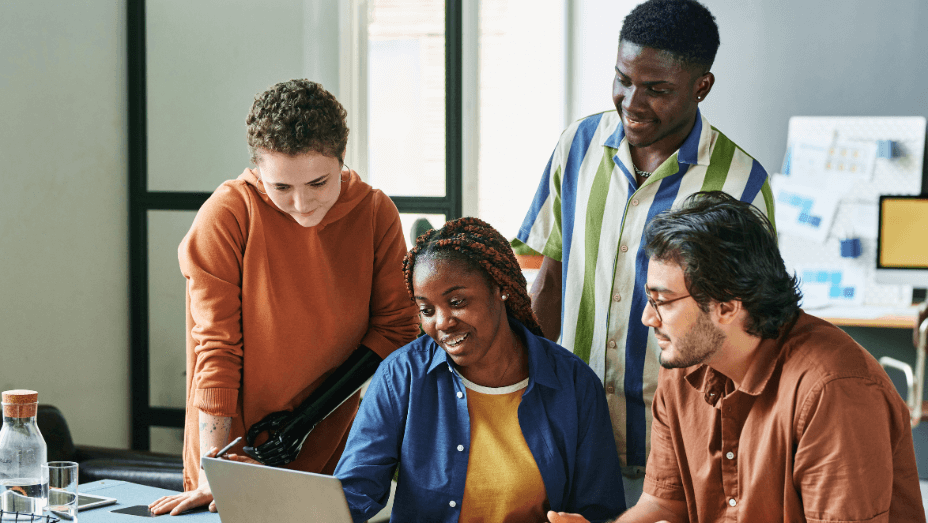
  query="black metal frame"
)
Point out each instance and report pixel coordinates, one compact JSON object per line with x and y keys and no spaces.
{"x":141,"y":200}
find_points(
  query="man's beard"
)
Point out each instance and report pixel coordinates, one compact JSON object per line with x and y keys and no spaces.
{"x":697,"y":346}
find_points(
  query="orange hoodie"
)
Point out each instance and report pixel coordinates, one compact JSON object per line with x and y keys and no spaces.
{"x":274,"y":307}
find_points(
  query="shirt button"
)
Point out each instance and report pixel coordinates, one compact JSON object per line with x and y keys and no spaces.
{"x":610,"y":389}
{"x":617,"y":297}
{"x":624,"y":248}
{"x":460,"y":394}
{"x":731,"y":502}
{"x":453,"y":504}
{"x":635,"y":202}
{"x":730,"y":455}
{"x":460,"y":448}
{"x":612,"y":343}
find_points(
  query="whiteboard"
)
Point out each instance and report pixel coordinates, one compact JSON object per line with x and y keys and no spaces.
{"x":827,"y":278}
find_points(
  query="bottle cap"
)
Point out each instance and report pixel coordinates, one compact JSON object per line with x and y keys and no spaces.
{"x":20,"y":403}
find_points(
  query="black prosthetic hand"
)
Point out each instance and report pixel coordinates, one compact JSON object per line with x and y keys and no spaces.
{"x":288,"y":430}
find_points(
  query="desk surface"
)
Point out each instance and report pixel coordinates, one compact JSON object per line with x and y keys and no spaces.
{"x":129,"y":494}
{"x":868,"y":316}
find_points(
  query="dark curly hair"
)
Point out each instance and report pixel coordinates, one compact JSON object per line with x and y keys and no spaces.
{"x":683,"y":28}
{"x":296,"y":117}
{"x":482,"y":248}
{"x":728,"y":251}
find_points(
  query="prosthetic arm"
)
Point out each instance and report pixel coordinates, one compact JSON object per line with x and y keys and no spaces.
{"x":288,"y":430}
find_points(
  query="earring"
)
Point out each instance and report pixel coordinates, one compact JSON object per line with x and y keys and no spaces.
{"x":505,"y":297}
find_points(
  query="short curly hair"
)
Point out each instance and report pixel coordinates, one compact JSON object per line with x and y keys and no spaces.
{"x":296,"y":117}
{"x":683,"y":28}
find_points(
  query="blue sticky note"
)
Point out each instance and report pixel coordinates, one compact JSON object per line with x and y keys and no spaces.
{"x":787,"y":160}
{"x":822,"y":277}
{"x":834,"y":292}
{"x":849,"y":292}
{"x":815,"y":221}
{"x":835,"y":278}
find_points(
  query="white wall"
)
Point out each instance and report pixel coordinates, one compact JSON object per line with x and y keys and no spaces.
{"x":782,"y":58}
{"x":63,"y":211}
{"x":593,"y":41}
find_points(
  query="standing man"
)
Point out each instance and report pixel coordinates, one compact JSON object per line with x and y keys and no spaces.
{"x":609,"y":175}
{"x":762,"y":413}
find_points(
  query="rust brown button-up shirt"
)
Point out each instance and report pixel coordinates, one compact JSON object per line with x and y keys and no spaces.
{"x":816,"y":432}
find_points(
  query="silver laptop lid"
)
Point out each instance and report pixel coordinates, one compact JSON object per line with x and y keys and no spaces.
{"x":247,"y":493}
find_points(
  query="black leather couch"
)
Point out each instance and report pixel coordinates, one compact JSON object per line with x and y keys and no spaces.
{"x":146,"y":468}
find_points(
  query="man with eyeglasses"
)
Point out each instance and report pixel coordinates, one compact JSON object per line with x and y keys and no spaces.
{"x":762,"y":412}
{"x":608,"y":176}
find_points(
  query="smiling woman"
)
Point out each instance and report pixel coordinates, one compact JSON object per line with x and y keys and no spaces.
{"x":485,"y":419}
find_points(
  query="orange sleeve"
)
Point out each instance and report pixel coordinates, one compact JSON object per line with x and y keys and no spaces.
{"x":662,"y":478}
{"x":210,"y":258}
{"x":393,"y":316}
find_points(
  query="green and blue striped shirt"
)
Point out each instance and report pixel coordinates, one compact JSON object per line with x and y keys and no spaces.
{"x":589,"y":213}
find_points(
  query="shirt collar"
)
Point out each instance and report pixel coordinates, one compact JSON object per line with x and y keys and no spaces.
{"x":539,"y":366}
{"x":758,"y":375}
{"x":695,"y":150}
{"x":766,"y":361}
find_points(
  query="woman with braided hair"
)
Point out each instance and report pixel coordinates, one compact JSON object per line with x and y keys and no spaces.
{"x":485,"y":419}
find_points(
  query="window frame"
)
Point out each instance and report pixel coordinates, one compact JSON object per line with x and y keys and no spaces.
{"x":144,"y":416}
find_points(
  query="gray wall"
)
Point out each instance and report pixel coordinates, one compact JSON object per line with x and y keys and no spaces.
{"x":63,"y":211}
{"x":783,"y":58}
{"x":779,"y":58}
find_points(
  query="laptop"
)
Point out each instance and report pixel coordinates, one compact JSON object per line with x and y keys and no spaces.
{"x":247,"y":493}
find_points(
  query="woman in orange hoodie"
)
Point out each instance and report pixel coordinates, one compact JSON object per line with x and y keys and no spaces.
{"x":291,"y":268}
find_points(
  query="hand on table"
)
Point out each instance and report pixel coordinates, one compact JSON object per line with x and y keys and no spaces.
{"x":184,"y":501}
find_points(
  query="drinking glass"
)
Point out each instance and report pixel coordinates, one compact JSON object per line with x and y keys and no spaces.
{"x":62,"y":489}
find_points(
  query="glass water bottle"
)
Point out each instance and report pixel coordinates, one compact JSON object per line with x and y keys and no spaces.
{"x":22,"y":453}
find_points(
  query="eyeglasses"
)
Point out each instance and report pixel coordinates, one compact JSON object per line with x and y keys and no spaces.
{"x":655,"y":304}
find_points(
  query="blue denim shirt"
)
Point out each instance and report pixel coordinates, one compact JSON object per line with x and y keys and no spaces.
{"x":414,"y":415}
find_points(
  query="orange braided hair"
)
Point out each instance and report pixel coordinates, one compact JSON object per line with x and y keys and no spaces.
{"x":482,"y":247}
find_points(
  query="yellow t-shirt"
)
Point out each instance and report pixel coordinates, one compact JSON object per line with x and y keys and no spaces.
{"x":503,"y":481}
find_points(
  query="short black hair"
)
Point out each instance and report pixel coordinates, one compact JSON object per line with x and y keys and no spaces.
{"x":728,"y":251}
{"x":683,"y":28}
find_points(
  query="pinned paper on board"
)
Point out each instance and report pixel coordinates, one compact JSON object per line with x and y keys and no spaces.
{"x":851,"y":159}
{"x":865,"y":220}
{"x":831,"y":161}
{"x":824,"y":286}
{"x":807,"y":158}
{"x":803,"y":210}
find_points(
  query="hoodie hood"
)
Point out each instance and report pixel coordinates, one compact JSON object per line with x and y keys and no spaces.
{"x":353,"y":191}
